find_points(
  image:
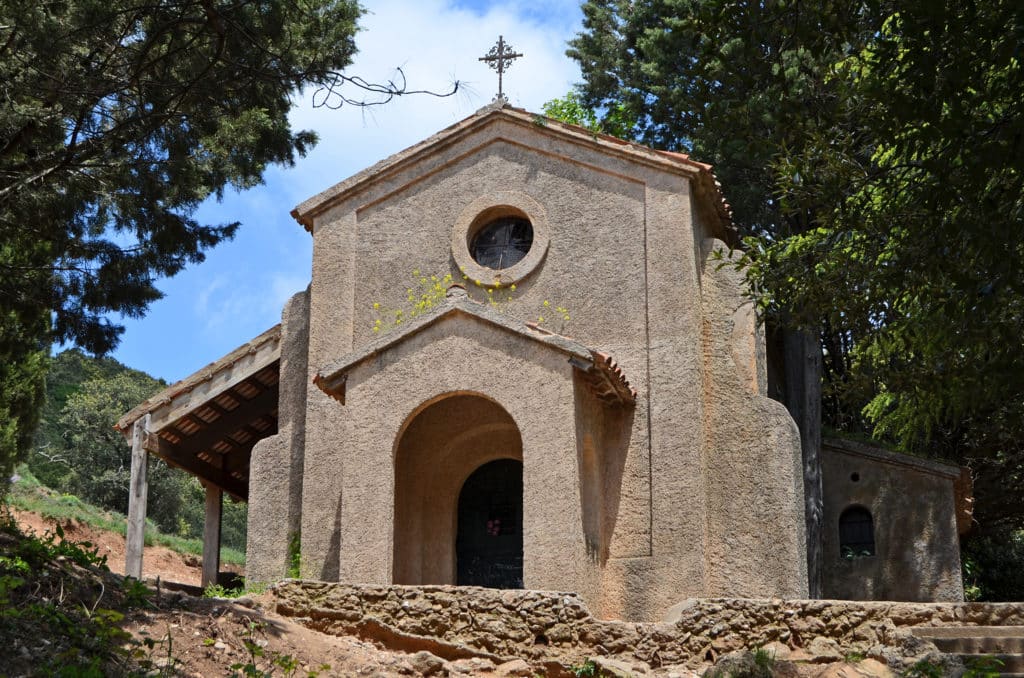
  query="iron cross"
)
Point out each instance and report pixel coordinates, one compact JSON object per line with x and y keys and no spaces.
{"x":499,"y":58}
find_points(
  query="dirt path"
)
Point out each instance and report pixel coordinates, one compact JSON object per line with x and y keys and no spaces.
{"x":157,"y":561}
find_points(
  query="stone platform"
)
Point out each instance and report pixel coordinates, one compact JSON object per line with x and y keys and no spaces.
{"x":555,"y":629}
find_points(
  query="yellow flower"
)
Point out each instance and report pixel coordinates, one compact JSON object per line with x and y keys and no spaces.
{"x":513,"y":287}
{"x":376,"y":306}
{"x":415,"y":272}
{"x":546,"y":303}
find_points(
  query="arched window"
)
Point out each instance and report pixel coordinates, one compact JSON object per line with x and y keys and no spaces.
{"x":856,"y":533}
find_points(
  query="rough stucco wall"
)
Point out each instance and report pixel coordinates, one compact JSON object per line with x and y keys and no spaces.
{"x":625,"y":258}
{"x":755,"y":541}
{"x":673,"y":410}
{"x":330,"y":336}
{"x":438,"y":450}
{"x":533,"y":386}
{"x":275,"y":471}
{"x":595,"y":266}
{"x":912,"y":504}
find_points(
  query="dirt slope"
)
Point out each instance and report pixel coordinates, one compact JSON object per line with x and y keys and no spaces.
{"x":157,"y":561}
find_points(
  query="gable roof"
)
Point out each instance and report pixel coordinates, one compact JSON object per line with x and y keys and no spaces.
{"x":604,"y":377}
{"x":706,"y":187}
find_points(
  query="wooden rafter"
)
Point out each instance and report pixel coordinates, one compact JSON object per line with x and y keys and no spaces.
{"x":204,"y":470}
{"x":228,"y":423}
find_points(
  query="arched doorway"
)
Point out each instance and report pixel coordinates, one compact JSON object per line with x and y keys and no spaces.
{"x":443,"y":442}
{"x":489,"y":545}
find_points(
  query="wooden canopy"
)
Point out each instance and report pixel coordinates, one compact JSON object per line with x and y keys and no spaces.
{"x":208,"y":423}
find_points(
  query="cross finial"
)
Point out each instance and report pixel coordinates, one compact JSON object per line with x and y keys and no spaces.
{"x":499,"y":58}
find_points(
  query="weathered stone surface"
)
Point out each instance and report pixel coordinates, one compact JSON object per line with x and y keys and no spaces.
{"x":473,"y":666}
{"x":550,"y":628}
{"x":869,"y":668}
{"x":425,"y":663}
{"x":617,"y":668}
{"x":516,"y":667}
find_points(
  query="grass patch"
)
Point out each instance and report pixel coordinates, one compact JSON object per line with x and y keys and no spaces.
{"x":28,"y":494}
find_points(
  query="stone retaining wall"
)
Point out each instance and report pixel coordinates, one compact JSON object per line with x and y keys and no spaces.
{"x":548,"y":628}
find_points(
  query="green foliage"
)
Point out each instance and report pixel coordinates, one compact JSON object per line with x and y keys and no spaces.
{"x":924,"y":668}
{"x":67,"y":372}
{"x":587,"y":669}
{"x":873,"y":157}
{"x":136,"y":593}
{"x":119,"y":118}
{"x":77,"y":450}
{"x":429,"y":291}
{"x":295,"y":555}
{"x":28,"y":495}
{"x":98,"y":457}
{"x":265,"y":664}
{"x":983,"y":667}
{"x":572,"y":109}
{"x":22,"y":375}
{"x":764,"y":659}
{"x":44,"y":594}
{"x":234,"y":516}
{"x":218,"y":591}
{"x":993,"y":565}
{"x":426,"y":293}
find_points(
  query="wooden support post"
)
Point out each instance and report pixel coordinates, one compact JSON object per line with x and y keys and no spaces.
{"x":211,"y":535}
{"x":135,"y":534}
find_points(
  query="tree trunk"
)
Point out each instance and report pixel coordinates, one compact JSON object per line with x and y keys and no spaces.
{"x":802,"y":359}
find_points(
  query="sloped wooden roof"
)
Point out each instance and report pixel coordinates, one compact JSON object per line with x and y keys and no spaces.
{"x":208,"y":423}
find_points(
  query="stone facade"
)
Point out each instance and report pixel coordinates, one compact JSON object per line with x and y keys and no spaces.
{"x":553,"y":630}
{"x":654,"y":468}
{"x":912,"y":504}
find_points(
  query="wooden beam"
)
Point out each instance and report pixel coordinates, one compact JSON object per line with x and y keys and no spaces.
{"x":195,"y":466}
{"x":211,"y":535}
{"x":135,"y":534}
{"x":231,"y":421}
{"x":221,"y":379}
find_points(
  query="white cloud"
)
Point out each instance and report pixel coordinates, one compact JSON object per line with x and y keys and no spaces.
{"x":435,"y":43}
{"x":239,"y":291}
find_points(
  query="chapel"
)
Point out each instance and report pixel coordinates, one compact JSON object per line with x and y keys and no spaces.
{"x":624,"y":447}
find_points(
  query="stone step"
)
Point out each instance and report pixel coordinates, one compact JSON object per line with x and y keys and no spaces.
{"x":1012,"y":664}
{"x":974,"y":639}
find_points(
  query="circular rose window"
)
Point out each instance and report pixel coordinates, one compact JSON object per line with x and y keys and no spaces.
{"x":500,"y":238}
{"x":502,"y":243}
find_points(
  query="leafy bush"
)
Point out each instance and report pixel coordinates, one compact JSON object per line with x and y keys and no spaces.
{"x":993,"y":566}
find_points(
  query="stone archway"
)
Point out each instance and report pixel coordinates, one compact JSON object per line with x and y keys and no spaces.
{"x":442,"y":443}
{"x":489,"y":543}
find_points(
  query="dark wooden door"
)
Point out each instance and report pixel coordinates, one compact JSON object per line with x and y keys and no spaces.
{"x":489,"y":542}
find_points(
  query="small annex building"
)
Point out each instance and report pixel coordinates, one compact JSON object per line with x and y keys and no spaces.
{"x":629,"y":453}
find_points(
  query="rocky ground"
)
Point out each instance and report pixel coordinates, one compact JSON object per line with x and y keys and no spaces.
{"x":61,"y":609}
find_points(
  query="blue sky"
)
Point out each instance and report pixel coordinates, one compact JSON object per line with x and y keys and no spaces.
{"x":239,"y":290}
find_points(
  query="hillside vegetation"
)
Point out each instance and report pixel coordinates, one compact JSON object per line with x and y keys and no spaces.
{"x":77,"y":452}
